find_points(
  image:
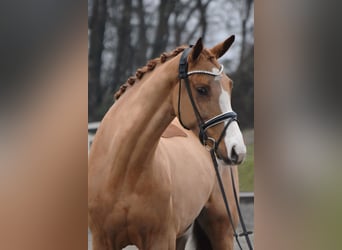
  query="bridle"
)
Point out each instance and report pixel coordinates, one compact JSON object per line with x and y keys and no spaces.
{"x":210,"y":143}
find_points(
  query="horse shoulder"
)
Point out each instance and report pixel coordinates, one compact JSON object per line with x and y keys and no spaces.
{"x":191,"y":174}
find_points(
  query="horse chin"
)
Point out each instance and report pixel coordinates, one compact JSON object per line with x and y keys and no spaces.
{"x":228,"y":162}
{"x":225,"y":160}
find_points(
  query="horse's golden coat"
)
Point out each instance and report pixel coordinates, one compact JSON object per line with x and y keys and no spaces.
{"x":172,"y":131}
{"x":146,"y":190}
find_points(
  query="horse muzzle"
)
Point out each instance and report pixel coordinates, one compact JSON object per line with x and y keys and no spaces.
{"x":235,"y":158}
{"x":235,"y":152}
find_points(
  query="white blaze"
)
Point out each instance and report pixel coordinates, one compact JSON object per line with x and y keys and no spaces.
{"x":233,"y":137}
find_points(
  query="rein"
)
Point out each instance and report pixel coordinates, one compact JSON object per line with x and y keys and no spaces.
{"x":209,"y":142}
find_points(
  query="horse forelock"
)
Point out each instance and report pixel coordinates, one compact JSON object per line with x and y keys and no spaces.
{"x":151,"y":64}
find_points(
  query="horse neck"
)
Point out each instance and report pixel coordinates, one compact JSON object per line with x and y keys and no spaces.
{"x":142,"y":115}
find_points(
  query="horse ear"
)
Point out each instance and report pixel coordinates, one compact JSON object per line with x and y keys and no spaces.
{"x":221,"y":48}
{"x":197,"y":49}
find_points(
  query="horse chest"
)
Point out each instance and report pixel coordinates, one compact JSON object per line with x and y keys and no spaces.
{"x":135,"y":217}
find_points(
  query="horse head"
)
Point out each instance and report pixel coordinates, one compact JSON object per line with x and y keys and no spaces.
{"x":203,"y":101}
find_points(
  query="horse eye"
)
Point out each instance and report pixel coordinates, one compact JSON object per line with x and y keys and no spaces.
{"x":202,"y":91}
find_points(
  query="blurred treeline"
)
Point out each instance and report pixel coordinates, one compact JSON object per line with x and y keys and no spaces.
{"x":125,"y":34}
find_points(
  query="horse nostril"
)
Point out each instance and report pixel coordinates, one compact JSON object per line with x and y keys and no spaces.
{"x":234,"y":156}
{"x":237,"y":156}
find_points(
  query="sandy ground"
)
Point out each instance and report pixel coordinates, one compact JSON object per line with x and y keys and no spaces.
{"x":247,"y":209}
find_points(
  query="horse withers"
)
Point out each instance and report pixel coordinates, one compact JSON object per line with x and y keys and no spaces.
{"x":155,"y":191}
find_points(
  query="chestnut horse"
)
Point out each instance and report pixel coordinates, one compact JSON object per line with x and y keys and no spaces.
{"x":151,"y":182}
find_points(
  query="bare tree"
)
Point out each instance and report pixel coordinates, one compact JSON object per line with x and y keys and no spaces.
{"x":245,"y":16}
{"x":97,"y":28}
{"x":162,"y":30}
{"x":134,"y":31}
{"x":143,"y":43}
{"x":124,"y":48}
{"x":202,"y":23}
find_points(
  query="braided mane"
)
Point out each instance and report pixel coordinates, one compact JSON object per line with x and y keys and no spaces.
{"x":147,"y":68}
